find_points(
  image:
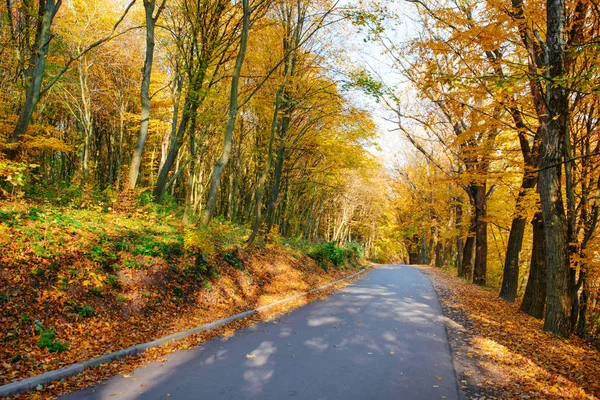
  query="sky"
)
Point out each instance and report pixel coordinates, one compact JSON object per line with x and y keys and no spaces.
{"x":370,"y":55}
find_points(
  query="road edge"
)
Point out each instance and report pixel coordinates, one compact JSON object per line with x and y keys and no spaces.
{"x":31,"y":383}
{"x":462,"y":395}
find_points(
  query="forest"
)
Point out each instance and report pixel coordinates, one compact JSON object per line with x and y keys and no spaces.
{"x":151,"y":149}
{"x":501,"y":108}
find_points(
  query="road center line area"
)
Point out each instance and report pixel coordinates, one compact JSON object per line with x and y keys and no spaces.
{"x":380,"y":338}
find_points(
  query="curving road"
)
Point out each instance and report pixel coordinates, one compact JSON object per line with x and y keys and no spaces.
{"x":379,"y":338}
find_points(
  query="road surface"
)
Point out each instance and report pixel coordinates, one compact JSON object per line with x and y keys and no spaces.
{"x":379,"y":338}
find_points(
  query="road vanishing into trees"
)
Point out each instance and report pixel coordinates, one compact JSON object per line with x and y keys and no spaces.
{"x":379,"y":338}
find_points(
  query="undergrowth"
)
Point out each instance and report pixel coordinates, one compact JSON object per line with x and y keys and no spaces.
{"x":76,"y":275}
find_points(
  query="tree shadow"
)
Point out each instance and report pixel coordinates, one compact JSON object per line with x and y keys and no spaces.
{"x":512,"y":348}
{"x":380,"y":338}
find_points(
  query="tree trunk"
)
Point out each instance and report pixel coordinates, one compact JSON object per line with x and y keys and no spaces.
{"x":480,"y":269}
{"x":188,"y":122}
{"x":558,"y":304}
{"x":459,"y":257}
{"x":534,"y":299}
{"x":583,"y":304}
{"x":439,"y":263}
{"x":138,"y":150}
{"x":35,"y":73}
{"x":468,"y":250}
{"x":276,"y":186}
{"x":413,"y":247}
{"x":220,"y":165}
{"x":459,"y":242}
{"x":510,"y":278}
{"x":260,"y":185}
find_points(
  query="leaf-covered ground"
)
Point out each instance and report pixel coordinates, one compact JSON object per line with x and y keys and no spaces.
{"x":77,"y":284}
{"x":502,"y":353}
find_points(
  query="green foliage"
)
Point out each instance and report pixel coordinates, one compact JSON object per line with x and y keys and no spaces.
{"x":167,"y":207}
{"x":369,"y":20}
{"x":148,"y":243}
{"x":154,"y":247}
{"x":62,"y":194}
{"x":113,"y":280}
{"x":64,"y":283}
{"x":363,"y":80}
{"x":48,"y":339}
{"x":329,"y":252}
{"x":199,"y":270}
{"x":9,"y":218}
{"x":43,"y":251}
{"x":15,"y":173}
{"x":96,"y":291}
{"x":354,"y":250}
{"x":232,"y":259}
{"x":132,"y":263}
{"x":83,"y":310}
{"x":218,"y":237}
{"x":86,"y":310}
{"x":102,"y":253}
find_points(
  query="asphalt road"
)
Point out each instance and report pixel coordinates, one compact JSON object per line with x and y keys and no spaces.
{"x":379,"y":338}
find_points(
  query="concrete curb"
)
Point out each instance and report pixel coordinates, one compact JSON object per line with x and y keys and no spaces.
{"x":29,"y":384}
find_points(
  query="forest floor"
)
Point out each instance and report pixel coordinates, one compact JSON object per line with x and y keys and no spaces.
{"x":502,"y":353}
{"x":77,"y":283}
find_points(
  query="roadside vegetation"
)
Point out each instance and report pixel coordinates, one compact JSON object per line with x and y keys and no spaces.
{"x":164,"y":163}
{"x":502,"y":353}
{"x":80,"y":280}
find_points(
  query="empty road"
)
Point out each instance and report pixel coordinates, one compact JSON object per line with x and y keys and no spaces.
{"x":379,"y":338}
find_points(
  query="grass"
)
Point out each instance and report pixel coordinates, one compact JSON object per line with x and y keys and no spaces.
{"x":95,"y":279}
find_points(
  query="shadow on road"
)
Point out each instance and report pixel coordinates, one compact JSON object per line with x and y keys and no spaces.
{"x":380,"y":338}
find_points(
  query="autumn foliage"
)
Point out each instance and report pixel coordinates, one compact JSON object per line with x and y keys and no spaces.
{"x":168,"y":162}
{"x":79,"y":283}
{"x":505,"y":354}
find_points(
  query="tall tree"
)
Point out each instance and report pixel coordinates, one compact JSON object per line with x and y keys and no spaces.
{"x":151,"y":18}
{"x":203,"y":33}
{"x":34,"y":74}
{"x":220,"y":165}
{"x":558,"y":307}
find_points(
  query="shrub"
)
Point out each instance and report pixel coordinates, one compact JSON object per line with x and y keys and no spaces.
{"x":326,"y":253}
{"x":218,"y":237}
{"x":84,"y":310}
{"x":96,"y":291}
{"x":102,"y":253}
{"x":48,"y":339}
{"x":232,"y":259}
{"x":355,"y":250}
{"x":199,"y":270}
{"x":329,"y":252}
